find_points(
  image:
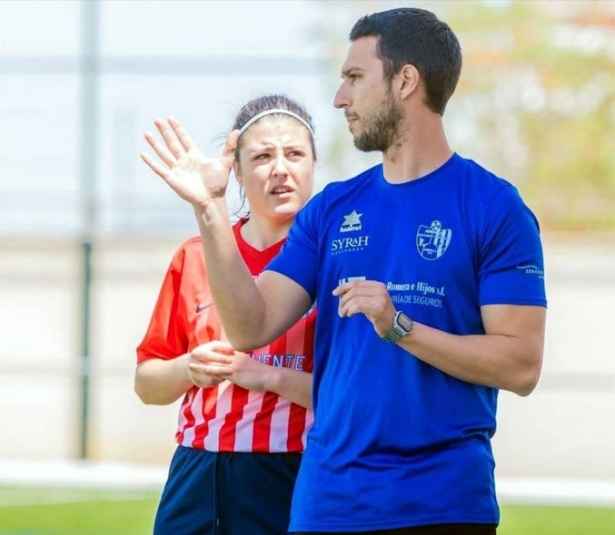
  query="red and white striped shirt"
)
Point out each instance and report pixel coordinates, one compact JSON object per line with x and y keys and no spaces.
{"x":227,"y":417}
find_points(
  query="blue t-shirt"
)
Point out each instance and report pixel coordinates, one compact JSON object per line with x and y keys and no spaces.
{"x":397,"y":442}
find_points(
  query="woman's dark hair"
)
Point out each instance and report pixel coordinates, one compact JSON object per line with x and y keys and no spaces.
{"x":416,"y":37}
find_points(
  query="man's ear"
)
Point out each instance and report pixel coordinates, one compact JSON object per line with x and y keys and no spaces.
{"x":409,"y":79}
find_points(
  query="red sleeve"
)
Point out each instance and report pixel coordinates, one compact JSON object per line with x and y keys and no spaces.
{"x":166,"y":335}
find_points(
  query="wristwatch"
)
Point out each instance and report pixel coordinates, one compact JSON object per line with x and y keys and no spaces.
{"x":402,"y":325}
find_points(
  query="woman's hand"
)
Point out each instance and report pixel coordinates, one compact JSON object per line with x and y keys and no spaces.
{"x":219,"y":359}
{"x":200,"y":369}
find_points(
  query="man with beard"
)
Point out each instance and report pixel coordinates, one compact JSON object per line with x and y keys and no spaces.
{"x":428,"y":274}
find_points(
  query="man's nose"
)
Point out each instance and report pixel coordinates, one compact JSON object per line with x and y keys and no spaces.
{"x":341,"y":98}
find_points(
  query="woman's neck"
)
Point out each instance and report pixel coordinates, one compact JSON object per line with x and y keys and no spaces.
{"x":261,"y":233}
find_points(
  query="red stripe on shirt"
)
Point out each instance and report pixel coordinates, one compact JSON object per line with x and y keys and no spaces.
{"x":229,"y":428}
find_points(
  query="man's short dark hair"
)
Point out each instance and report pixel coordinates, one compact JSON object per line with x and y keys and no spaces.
{"x":418,"y":37}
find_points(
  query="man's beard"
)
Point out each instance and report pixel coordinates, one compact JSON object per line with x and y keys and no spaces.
{"x":381,"y":127}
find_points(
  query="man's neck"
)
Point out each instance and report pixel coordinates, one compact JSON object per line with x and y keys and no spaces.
{"x":421,"y":149}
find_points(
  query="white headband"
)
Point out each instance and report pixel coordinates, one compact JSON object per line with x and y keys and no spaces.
{"x":270,"y":112}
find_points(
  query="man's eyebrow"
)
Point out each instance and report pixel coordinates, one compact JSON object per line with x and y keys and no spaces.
{"x":351,"y":70}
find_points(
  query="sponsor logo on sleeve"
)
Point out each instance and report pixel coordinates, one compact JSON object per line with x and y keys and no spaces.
{"x":531,"y":269}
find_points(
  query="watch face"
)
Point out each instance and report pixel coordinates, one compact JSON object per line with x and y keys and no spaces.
{"x":405,"y":322}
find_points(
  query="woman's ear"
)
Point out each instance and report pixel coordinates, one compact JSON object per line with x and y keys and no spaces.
{"x":237,"y":171}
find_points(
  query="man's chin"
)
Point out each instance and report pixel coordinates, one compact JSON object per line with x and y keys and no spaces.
{"x":364,"y":146}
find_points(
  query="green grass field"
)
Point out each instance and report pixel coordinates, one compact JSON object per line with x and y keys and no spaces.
{"x":40,"y":511}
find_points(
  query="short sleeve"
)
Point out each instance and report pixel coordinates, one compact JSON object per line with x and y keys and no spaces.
{"x":511,"y":260}
{"x":166,"y":335}
{"x":298,"y":259}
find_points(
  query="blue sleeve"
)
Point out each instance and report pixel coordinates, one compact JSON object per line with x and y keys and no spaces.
{"x":298,"y":259}
{"x":511,"y":268}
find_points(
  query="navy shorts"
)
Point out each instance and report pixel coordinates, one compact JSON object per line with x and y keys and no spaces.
{"x":440,"y":529}
{"x":210,"y":493}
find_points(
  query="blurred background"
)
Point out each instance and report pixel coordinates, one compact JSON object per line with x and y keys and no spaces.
{"x":87,"y":231}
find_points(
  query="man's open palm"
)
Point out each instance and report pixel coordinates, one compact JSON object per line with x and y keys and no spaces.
{"x":192,"y":175}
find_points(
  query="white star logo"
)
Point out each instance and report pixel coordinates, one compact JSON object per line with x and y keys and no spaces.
{"x":352,"y":219}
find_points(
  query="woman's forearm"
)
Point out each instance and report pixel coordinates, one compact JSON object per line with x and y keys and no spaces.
{"x":161,"y":382}
{"x":293,"y":385}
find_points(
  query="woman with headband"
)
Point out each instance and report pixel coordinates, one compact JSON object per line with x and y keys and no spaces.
{"x":244,"y":417}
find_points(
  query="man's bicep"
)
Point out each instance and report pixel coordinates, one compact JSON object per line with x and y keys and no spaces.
{"x":285,"y":302}
{"x":520,"y":330}
{"x":526,"y":323}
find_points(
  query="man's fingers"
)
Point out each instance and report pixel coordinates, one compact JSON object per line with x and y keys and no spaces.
{"x":170,"y":139}
{"x":160,"y":150}
{"x":338,"y":291}
{"x":362,"y":287}
{"x":155,"y":166}
{"x":346,"y":287}
{"x":182,"y":134}
{"x":362,"y":304}
{"x":344,"y":308}
{"x":348,"y":311}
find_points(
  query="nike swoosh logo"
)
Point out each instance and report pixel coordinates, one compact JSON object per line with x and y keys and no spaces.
{"x":202,"y":306}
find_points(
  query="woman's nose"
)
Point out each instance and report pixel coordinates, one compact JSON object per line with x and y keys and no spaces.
{"x":279,"y":166}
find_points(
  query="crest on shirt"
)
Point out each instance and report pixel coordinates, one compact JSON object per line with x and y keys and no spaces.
{"x":432,"y":241}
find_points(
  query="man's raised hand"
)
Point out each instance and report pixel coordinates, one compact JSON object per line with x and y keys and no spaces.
{"x":192,"y":175}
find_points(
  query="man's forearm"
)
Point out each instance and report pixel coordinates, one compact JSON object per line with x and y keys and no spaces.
{"x":494,"y":360}
{"x":238,"y":301}
{"x":161,"y":382}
